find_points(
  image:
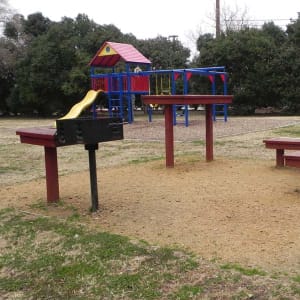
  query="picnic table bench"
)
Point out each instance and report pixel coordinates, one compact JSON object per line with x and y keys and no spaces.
{"x":285,"y":143}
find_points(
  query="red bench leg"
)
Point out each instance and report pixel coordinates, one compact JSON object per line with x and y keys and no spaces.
{"x":209,"y":133}
{"x":169,"y":136}
{"x":51,"y":174}
{"x":279,"y":157}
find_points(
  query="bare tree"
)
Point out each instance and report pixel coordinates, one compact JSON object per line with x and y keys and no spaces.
{"x":234,"y":18}
{"x":228,"y":17}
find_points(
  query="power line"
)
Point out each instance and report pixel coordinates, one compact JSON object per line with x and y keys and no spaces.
{"x":257,"y":23}
{"x":258,"y":20}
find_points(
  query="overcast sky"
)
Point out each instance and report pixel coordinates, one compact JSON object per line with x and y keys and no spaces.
{"x":148,"y":19}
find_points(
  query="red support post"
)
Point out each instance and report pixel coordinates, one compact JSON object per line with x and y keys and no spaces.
{"x":209,"y":133}
{"x":169,"y":136}
{"x":51,"y":174}
{"x":279,"y":157}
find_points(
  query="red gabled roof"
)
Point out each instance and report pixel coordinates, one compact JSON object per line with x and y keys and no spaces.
{"x":111,"y":53}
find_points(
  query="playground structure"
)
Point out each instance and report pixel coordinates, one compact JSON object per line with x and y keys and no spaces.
{"x":137,"y":78}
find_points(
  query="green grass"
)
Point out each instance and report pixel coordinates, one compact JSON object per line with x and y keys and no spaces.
{"x":188,"y":292}
{"x":8,"y":169}
{"x":198,"y":143}
{"x":145,"y":159}
{"x":43,"y":206}
{"x":42,"y":252}
{"x":297,"y":278}
{"x":293,"y":131}
{"x":242,"y":270}
{"x":39,"y":205}
{"x":47,"y":258}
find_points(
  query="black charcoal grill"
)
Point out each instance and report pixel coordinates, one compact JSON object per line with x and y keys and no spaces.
{"x":89,"y":132}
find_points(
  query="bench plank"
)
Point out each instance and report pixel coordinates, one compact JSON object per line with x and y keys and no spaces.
{"x":283,"y":143}
{"x":292,"y":159}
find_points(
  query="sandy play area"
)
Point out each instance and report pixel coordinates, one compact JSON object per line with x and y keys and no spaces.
{"x":238,"y":208}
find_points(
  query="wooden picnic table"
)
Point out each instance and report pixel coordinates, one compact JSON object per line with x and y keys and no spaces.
{"x":169,"y":100}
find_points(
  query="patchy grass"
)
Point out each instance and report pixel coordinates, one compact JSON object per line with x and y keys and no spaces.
{"x":198,"y":143}
{"x":29,"y":160}
{"x":47,"y":258}
{"x":71,"y":212}
{"x":297,"y":278}
{"x":293,"y":131}
{"x":188,"y":292}
{"x":145,"y":159}
{"x":242,"y":270}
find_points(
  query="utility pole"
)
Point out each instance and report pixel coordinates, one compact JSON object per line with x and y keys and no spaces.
{"x":218,"y":22}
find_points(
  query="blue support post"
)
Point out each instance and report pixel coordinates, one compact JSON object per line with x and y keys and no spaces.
{"x":129,"y":94}
{"x":121,"y":112}
{"x":110,"y":108}
{"x":186,"y":115}
{"x":149,"y":112}
{"x":213,"y":91}
{"x":174,"y":107}
{"x":225,"y":93}
{"x":186,"y":108}
{"x":173,"y":92}
{"x":224,"y":106}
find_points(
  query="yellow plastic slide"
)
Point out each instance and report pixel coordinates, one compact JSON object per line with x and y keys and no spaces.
{"x":77,"y":109}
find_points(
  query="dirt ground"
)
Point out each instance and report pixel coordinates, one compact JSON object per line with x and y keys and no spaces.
{"x":238,"y":208}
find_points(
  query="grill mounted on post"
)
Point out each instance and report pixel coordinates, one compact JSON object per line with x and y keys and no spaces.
{"x":89,"y":132}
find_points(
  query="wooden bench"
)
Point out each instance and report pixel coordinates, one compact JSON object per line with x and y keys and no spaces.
{"x":285,"y":143}
{"x":292,"y":159}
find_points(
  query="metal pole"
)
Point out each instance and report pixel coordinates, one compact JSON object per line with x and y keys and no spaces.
{"x":93,"y":175}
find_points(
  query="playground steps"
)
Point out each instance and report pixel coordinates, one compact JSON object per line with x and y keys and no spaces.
{"x":292,"y":159}
{"x":115,"y":106}
{"x":221,"y":111}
